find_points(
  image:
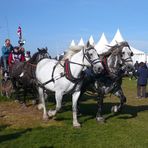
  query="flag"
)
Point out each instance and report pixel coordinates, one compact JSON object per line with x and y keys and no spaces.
{"x":19,"y":32}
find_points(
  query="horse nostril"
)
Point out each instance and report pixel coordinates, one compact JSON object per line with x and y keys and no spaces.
{"x":99,"y":69}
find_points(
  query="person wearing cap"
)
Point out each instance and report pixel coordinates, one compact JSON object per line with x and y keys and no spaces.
{"x":6,"y":50}
{"x":21,"y":48}
{"x":15,"y":56}
{"x":142,"y":74}
{"x":27,"y":55}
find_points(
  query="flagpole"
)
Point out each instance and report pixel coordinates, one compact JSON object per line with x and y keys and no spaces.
{"x":7,"y":25}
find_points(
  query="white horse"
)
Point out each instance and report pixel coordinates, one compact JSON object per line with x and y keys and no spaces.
{"x":62,"y":79}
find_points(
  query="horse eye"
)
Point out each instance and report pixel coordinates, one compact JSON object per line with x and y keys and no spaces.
{"x":123,"y":52}
{"x":132,"y":53}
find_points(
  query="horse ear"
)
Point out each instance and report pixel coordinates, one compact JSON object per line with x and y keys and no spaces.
{"x":38,"y":49}
{"x":117,"y":42}
{"x":46,"y":49}
{"x":87,"y":44}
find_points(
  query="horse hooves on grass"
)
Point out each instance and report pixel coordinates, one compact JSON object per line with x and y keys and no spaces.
{"x":77,"y":125}
{"x":40,"y":106}
{"x":100,"y":120}
{"x":114,"y":109}
{"x":45,"y":118}
{"x":24,"y":106}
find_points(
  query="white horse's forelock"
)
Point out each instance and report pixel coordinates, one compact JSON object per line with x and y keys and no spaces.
{"x":72,"y":51}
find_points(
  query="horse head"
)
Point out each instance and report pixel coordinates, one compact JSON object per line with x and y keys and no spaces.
{"x":91,"y":58}
{"x":126,"y":56}
{"x":119,"y":58}
{"x":43,"y":53}
{"x":39,"y":55}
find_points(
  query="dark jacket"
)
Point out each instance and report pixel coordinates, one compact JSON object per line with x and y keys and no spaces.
{"x":142,"y":74}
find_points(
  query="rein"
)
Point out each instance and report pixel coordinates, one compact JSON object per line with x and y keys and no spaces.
{"x":127,"y":60}
{"x":68,"y":73}
{"x":106,"y":68}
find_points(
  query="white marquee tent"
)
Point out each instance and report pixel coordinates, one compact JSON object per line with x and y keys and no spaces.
{"x":91,"y":40}
{"x":72,"y":43}
{"x":101,"y":46}
{"x":81,"y":42}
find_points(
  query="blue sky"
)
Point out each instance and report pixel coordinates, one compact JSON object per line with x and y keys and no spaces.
{"x":54,"y":23}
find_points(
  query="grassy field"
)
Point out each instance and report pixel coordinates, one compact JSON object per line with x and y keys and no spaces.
{"x":24,"y":128}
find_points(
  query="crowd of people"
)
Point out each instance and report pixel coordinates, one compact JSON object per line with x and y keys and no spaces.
{"x":142,"y":74}
{"x":11,"y":55}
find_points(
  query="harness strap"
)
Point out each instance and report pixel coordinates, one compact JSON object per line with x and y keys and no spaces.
{"x":68,"y":73}
{"x":105,"y":65}
{"x":106,"y":68}
{"x":52,"y":79}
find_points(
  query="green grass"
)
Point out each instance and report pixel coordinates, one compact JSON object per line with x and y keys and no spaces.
{"x":128,"y":129}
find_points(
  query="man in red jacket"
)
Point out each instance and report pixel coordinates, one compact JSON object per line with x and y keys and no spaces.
{"x":15,"y":56}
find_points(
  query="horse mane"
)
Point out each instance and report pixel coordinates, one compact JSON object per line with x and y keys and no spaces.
{"x":114,"y":49}
{"x":72,"y":51}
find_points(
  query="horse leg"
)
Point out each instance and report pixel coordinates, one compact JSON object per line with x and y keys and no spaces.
{"x":16,"y":90}
{"x":42,"y":103}
{"x":58,"y":97}
{"x":24,"y":98}
{"x":119,"y":93}
{"x":75,"y":97}
{"x":99,"y":116}
{"x":100,"y":97}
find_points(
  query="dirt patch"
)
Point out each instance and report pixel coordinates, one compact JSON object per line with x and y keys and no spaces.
{"x":16,"y":116}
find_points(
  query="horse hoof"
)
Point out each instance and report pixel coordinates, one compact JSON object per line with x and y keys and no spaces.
{"x":23,"y":106}
{"x":45,"y":117}
{"x":40,"y":106}
{"x":16,"y":101}
{"x":114,"y":109}
{"x":51,"y":113}
{"x":76,"y":125}
{"x":100,"y":119}
{"x":33,"y":102}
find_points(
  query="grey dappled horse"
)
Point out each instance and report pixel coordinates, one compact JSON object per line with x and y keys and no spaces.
{"x":117,"y":62}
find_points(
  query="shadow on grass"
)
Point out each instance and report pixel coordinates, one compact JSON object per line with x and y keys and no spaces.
{"x":89,"y":111}
{"x":47,"y":147}
{"x":127,"y":112}
{"x":2,"y":127}
{"x":13,"y":136}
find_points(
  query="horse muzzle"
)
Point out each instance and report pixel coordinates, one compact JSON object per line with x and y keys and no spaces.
{"x":98,"y":70}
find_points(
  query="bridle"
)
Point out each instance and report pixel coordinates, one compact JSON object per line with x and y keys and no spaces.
{"x":129,"y":58}
{"x":124,"y":61}
{"x":87,"y":57}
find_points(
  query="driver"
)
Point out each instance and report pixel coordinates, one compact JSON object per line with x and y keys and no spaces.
{"x":6,"y":50}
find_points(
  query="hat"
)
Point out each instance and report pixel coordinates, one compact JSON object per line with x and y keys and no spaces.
{"x":16,"y":47}
{"x":27,"y":52}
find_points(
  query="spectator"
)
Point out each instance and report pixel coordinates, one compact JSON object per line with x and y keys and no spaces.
{"x":27,"y":55}
{"x":136,"y":65}
{"x":146,"y":63}
{"x":6,"y":50}
{"x":142,"y":74}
